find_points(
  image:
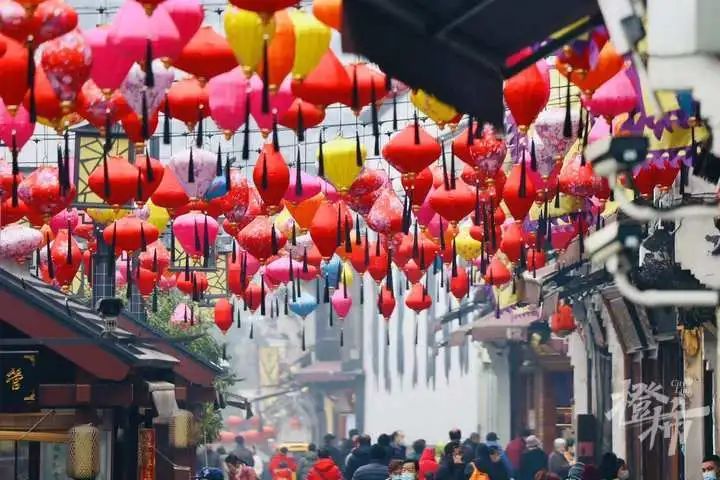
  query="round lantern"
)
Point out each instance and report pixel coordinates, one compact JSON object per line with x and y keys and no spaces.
{"x":18,"y":242}
{"x":196,"y":233}
{"x":67,"y":61}
{"x":497,"y":273}
{"x":42,"y":191}
{"x":386,"y":302}
{"x":386,"y":214}
{"x":460,"y":284}
{"x":15,"y":128}
{"x":453,"y":204}
{"x":135,"y":90}
{"x":114,"y":180}
{"x":266,"y":8}
{"x":13,"y":73}
{"x":188,"y":101}
{"x":187,"y":15}
{"x":527,"y":93}
{"x":411,"y":150}
{"x":235,"y":203}
{"x":130,"y":234}
{"x":418,"y":299}
{"x":301,"y":115}
{"x":439,"y":112}
{"x":518,"y":201}
{"x":487,"y":154}
{"x":108,"y":69}
{"x":261,"y":239}
{"x":578,"y":179}
{"x":195,"y":169}
{"x":223,"y":315}
{"x":328,"y":228}
{"x":613,"y":98}
{"x":246,"y":35}
{"x":605,"y":66}
{"x":228,"y":100}
{"x":193,"y":284}
{"x":341,"y":302}
{"x":206,"y":55}
{"x":367,"y":83}
{"x":328,"y":83}
{"x":66,"y":257}
{"x":271,"y":177}
{"x":329,"y":12}
{"x":169,"y":194}
{"x":312,"y":41}
{"x":562,"y":322}
{"x":280,"y":51}
{"x":304,"y":212}
{"x":343,"y":161}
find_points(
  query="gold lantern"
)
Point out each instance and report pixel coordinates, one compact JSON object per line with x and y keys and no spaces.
{"x":83,"y":452}
{"x":181,"y":429}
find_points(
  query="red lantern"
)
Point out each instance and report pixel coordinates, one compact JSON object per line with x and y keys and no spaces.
{"x":193,"y":284}
{"x":66,"y":257}
{"x":223,"y":315}
{"x":454,"y":204}
{"x":535,"y":259}
{"x":6,"y":179}
{"x":667,"y":172}
{"x":206,"y":55}
{"x":67,"y":61}
{"x":234,"y":204}
{"x":386,"y":302}
{"x":418,"y":298}
{"x":411,"y":150}
{"x":155,"y":258}
{"x":512,"y":241}
{"x":257,"y":238}
{"x":280,"y":51}
{"x":132,"y":124}
{"x":13,"y":73}
{"x":578,"y":179}
{"x":12,"y":214}
{"x":49,"y":20}
{"x":302,"y":114}
{"x":562,"y":322}
{"x":527,"y":93}
{"x":363,"y":80}
{"x":519,"y":204}
{"x":327,"y":84}
{"x":130,"y":234}
{"x":41,"y":191}
{"x":328,"y":228}
{"x":96,"y":107}
{"x":272,"y":177}
{"x":145,"y":281}
{"x":460,"y":284}
{"x":644,"y":179}
{"x":413,"y":272}
{"x":170,"y":194}
{"x":252,"y":296}
{"x":188,"y":101}
{"x":386,"y":215}
{"x":417,"y":188}
{"x":497,"y":273}
{"x":115,"y":181}
{"x":151,"y":175}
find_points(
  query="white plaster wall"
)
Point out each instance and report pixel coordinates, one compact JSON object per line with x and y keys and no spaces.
{"x":578,"y":360}
{"x":618,"y":385}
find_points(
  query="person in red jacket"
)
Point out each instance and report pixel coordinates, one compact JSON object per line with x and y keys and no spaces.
{"x":515,"y":449}
{"x":324,"y":468}
{"x":428,"y":464}
{"x":282,"y":457}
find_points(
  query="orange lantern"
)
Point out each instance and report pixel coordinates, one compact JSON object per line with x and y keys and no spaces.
{"x":280,"y":52}
{"x":562,"y":322}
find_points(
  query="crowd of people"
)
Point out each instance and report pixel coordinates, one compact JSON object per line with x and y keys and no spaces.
{"x":358,"y":458}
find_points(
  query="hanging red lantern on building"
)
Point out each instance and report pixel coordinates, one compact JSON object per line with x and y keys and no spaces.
{"x":67,"y":61}
{"x":578,"y":178}
{"x":535,"y":258}
{"x":13,"y":73}
{"x":280,"y":52}
{"x":562,"y":322}
{"x":366,"y":83}
{"x":261,"y":239}
{"x":188,"y":102}
{"x":386,"y":214}
{"x":512,"y":241}
{"x":130,"y":234}
{"x":418,"y":298}
{"x":114,"y":180}
{"x":667,"y":171}
{"x":411,"y":150}
{"x":206,"y":55}
{"x":386,"y":302}
{"x":271,"y":176}
{"x":329,"y":83}
{"x":453,"y":204}
{"x":519,"y":192}
{"x":417,"y":188}
{"x":266,"y":8}
{"x":133,"y":126}
{"x":145,"y":281}
{"x":460,"y":284}
{"x":497,"y":273}
{"x":46,"y":192}
{"x":223,"y":315}
{"x":66,"y":257}
{"x":193,"y":284}
{"x":302,"y":115}
{"x":170,"y":194}
{"x":253,"y":296}
{"x":527,"y":93}
{"x":328,"y":228}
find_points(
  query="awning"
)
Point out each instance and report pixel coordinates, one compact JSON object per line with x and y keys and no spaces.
{"x":457,"y":49}
{"x":511,"y":326}
{"x":325,"y":372}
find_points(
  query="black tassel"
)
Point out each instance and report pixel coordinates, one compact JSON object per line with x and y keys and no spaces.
{"x":416,"y":128}
{"x":493,"y":233}
{"x":395,"y":115}
{"x":148,"y":167}
{"x":172,"y":245}
{"x":143,"y":239}
{"x":155,"y":262}
{"x":374,"y":118}
{"x":581,"y":236}
{"x":362,"y":292}
{"x":246,"y":131}
{"x":348,"y":238}
{"x":522,"y":190}
{"x":367,"y":250}
{"x":276,"y":135}
{"x":326,"y":290}
{"x":522,"y":263}
{"x":264,"y":182}
{"x":446,"y":179}
{"x":145,"y":119}
{"x":293,"y":236}
{"x":191,"y":168}
{"x":355,"y":91}
{"x":200,"y":128}
{"x":454,"y":267}
{"x":581,"y":123}
{"x":300,"y":124}
{"x":321,"y":156}
{"x":442,"y":236}
{"x":557,"y":196}
{"x":166,"y":122}
{"x":339,"y":275}
{"x":15,"y":171}
{"x":358,"y":240}
{"x":338,"y":230}
{"x":405,"y":216}
{"x":149,"y":74}
{"x":51,"y":267}
{"x":236,"y":312}
{"x":683,"y":178}
{"x":286,"y":306}
{"x":470,"y":139}
{"x":377,"y":246}
{"x":298,"y":175}
{"x":218,"y":163}
{"x":228,"y":177}
{"x":415,"y":245}
{"x":330,"y":317}
{"x":61,"y":168}
{"x":66,"y":161}
{"x":262,"y":295}
{"x":129,"y":276}
{"x":198,"y":245}
{"x":206,"y":243}
{"x":533,"y":156}
{"x":265,"y":78}
{"x":305,"y":261}
{"x":252,"y":330}
{"x":31,"y":82}
{"x":303,"y":346}
{"x":112,"y":253}
{"x":108,"y":132}
{"x":358,"y":150}
{"x":567,"y":125}
{"x":452,"y":167}
{"x":154,"y":300}
{"x":274,"y":240}
{"x":342,"y":337}
{"x":387,"y":334}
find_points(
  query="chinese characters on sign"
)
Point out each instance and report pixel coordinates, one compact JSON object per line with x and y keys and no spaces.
{"x":647,"y":406}
{"x":18,"y":380}
{"x":146,"y":453}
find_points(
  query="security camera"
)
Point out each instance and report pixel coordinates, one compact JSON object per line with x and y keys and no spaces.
{"x":109,"y":309}
{"x":612,"y":240}
{"x":614,"y":155}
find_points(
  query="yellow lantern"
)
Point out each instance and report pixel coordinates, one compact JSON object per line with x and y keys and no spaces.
{"x":567,"y":205}
{"x":312,"y":40}
{"x":158,"y":216}
{"x":246,"y":33}
{"x":467,"y":247}
{"x":439,"y":112}
{"x":284,"y":222}
{"x":346,"y":275}
{"x":341,"y":162}
{"x":105,"y":216}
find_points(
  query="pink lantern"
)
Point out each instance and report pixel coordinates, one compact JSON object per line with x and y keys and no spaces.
{"x":130,"y":31}
{"x":599,"y":130}
{"x":181,"y":316}
{"x":311,"y":186}
{"x":227,"y":93}
{"x":196,"y":233}
{"x":133,"y":88}
{"x":108,"y":69}
{"x":487,"y":153}
{"x":67,"y":61}
{"x":187,"y":15}
{"x":545,"y":178}
{"x":197,"y":181}
{"x":18,"y":242}
{"x":425,"y":213}
{"x":386,"y":214}
{"x":19,"y":125}
{"x":167,"y":281}
{"x":166,"y":42}
{"x":280,"y":102}
{"x":613,"y":98}
{"x":578,"y":179}
{"x":278,"y":271}
{"x":341,"y":302}
{"x":550,"y":128}
{"x":63,"y":218}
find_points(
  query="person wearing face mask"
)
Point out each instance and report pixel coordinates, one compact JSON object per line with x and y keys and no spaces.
{"x":557,"y":463}
{"x":623,"y":473}
{"x":410,"y":470}
{"x":395,"y":469}
{"x":711,"y":467}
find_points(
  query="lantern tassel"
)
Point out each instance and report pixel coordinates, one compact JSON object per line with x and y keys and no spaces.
{"x":145,"y":120}
{"x":265,"y":78}
{"x":338,"y":229}
{"x":348,"y":238}
{"x":444,"y":168}
{"x":148,"y":167}
{"x":415,"y":245}
{"x":358,"y":150}
{"x":15,"y":170}
{"x":61,"y":167}
{"x":286,"y":306}
{"x":557,"y":196}
{"x":355,"y":91}
{"x":293,"y":235}
{"x":416,"y":128}
{"x":128,"y":291}
{"x":303,"y":346}
{"x":246,"y":130}
{"x":149,"y":74}
{"x":206,"y":244}
{"x":522,"y":189}
{"x":66,"y":161}
{"x":330,"y":317}
{"x":200,"y":128}
{"x":166,"y":121}
{"x":442,"y":235}
{"x":567,"y":125}
{"x":452,"y":167}
{"x":367,"y":250}
{"x":298,"y":175}
{"x":533,"y":156}
{"x":395,"y":115}
{"x":274,"y":240}
{"x":218,"y":163}
{"x":50,"y":266}
{"x":362,"y":292}
{"x":108,"y":131}
{"x":321,"y":156}
{"x":470,"y":139}
{"x":276,"y":135}
{"x":139,"y":186}
{"x":262,"y":295}
{"x":143,"y":239}
{"x":454,"y":267}
{"x":358,"y":240}
{"x":172,"y":244}
{"x":581,"y":123}
{"x":228,"y":176}
{"x":154,"y":300}
{"x":581,"y":236}
{"x":300,"y":124}
{"x":198,"y":245}
{"x":326,"y":290}
{"x":342,"y":337}
{"x":264,"y":182}
{"x":305,"y":261}
{"x":32,"y":110}
{"x":374,"y":118}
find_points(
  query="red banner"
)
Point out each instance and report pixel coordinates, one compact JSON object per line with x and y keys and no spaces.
{"x":146,"y":454}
